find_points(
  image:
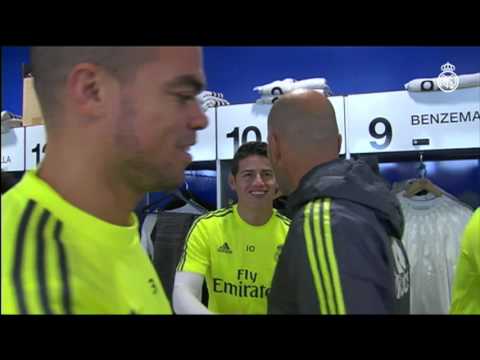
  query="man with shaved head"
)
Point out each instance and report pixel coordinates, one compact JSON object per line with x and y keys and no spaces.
{"x":342,"y":254}
{"x":119,"y":123}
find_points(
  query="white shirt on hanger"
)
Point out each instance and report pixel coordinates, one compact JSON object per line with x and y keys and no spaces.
{"x":433,"y":230}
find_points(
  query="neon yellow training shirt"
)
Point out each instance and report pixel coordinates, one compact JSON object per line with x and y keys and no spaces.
{"x":466,"y":286}
{"x":58,"y":259}
{"x":237,"y":259}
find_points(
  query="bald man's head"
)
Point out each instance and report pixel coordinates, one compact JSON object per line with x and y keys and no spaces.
{"x":302,"y":133}
{"x":306,"y":120}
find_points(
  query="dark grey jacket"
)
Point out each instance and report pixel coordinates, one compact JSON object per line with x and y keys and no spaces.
{"x":342,"y":253}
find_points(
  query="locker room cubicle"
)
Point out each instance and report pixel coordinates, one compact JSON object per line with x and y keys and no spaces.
{"x":350,"y":71}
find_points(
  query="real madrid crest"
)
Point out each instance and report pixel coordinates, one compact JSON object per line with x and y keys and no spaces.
{"x":447,"y":80}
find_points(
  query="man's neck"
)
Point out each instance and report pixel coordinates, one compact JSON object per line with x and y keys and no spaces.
{"x":90,"y":188}
{"x":255,"y":216}
{"x":299,"y":169}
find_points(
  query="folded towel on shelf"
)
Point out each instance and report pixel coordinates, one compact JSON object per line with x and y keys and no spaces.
{"x":469,"y":80}
{"x":313,"y":83}
{"x":285,"y":86}
{"x":277,"y":87}
{"x":268,"y":99}
{"x":272,"y":99}
{"x":431,"y":84}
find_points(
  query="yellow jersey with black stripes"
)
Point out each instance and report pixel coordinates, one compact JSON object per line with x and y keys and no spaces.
{"x":237,"y":259}
{"x":58,"y":259}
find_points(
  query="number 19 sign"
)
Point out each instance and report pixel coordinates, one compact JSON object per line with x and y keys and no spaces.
{"x":35,"y":146}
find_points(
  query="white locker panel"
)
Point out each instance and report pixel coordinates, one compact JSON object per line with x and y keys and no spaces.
{"x":13,"y":150}
{"x":403,"y":121}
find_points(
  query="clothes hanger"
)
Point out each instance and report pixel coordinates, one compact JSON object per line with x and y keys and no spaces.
{"x":422,"y":185}
{"x":186,"y":196}
{"x":165,"y":201}
{"x":175,"y":201}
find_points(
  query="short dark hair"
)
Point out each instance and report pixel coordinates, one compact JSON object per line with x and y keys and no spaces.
{"x":51,"y":66}
{"x":248,"y":149}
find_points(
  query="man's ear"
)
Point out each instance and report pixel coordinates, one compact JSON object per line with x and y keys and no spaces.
{"x":273,"y":148}
{"x":231,"y":182}
{"x":86,"y":86}
{"x":277,"y":190}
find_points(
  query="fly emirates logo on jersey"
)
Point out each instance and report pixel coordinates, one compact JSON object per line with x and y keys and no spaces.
{"x":245,"y":286}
